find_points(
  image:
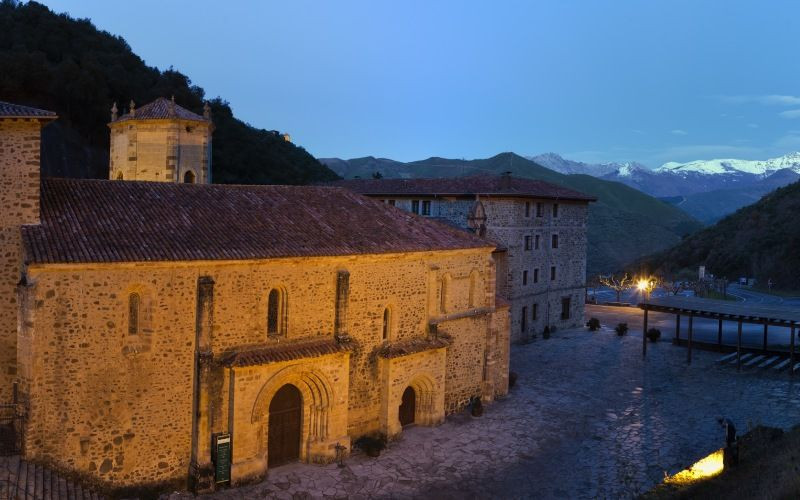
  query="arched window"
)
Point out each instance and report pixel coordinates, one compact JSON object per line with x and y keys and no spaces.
{"x":188,"y":177}
{"x":387,"y":319}
{"x":134,"y":303}
{"x":119,"y":176}
{"x":276,"y":312}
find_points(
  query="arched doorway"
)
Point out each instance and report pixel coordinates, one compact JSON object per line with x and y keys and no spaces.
{"x":408,"y":406}
{"x":188,"y":177}
{"x":285,"y":426}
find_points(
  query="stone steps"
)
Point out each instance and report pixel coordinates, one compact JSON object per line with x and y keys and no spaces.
{"x":22,"y":480}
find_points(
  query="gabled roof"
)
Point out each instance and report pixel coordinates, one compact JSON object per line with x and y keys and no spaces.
{"x":87,"y":221}
{"x":10,"y":110}
{"x":484,"y":185}
{"x":161,"y":108}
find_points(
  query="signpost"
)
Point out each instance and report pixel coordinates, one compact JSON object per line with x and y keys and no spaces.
{"x":222,"y":457}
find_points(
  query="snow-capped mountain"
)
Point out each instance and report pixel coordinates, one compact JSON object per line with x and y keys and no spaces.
{"x":763,"y":168}
{"x":560,"y":164}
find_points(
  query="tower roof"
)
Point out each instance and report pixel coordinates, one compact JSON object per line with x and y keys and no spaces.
{"x":10,"y":110}
{"x":161,"y":109}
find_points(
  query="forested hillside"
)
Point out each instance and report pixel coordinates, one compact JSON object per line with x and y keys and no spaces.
{"x":67,"y":65}
{"x":760,"y":240}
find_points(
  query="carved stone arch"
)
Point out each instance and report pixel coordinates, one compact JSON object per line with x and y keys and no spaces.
{"x":318,"y":397}
{"x":427,"y":395}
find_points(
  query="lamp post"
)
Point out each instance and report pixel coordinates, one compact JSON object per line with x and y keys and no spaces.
{"x":645,"y":285}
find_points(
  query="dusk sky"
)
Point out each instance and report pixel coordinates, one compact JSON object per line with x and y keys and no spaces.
{"x":650,"y":81}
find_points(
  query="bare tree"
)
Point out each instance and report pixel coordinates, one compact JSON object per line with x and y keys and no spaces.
{"x":619,"y":285}
{"x":676,"y":287}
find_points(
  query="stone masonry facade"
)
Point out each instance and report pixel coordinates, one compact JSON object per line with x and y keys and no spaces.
{"x":542,"y":270}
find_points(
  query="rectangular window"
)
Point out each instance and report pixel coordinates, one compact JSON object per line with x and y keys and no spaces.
{"x":415,"y":206}
{"x":554,"y":242}
{"x":536,"y":275}
{"x":539,"y":209}
{"x":391,"y":202}
{"x":527,"y":209}
{"x":534,"y":311}
{"x":426,"y":207}
{"x":555,"y":210}
{"x":536,"y":242}
{"x":552,"y":273}
{"x":527,"y":243}
{"x":565,"y":303}
{"x":524,"y":323}
{"x":524,"y":277}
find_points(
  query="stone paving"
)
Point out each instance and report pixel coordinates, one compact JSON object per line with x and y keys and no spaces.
{"x":587,"y":419}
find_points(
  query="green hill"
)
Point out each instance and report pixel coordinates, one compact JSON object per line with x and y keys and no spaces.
{"x":624,"y":224}
{"x":759,"y":240}
{"x":67,"y":65}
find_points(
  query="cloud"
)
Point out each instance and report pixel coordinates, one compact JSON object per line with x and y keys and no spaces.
{"x":767,"y":100}
{"x":791,"y":113}
{"x":789,"y":141}
{"x":678,"y":131}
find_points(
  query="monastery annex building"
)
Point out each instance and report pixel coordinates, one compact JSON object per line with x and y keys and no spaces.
{"x":143,"y":317}
{"x":540,"y":229}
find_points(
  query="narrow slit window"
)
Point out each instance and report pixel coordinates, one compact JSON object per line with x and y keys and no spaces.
{"x":134,"y":304}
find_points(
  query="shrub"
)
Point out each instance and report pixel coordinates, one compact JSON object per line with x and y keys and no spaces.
{"x":654,"y":334}
{"x":476,"y":406}
{"x":593,"y":324}
{"x":621,"y":329}
{"x":372,"y":445}
{"x":512,"y":380}
{"x":546,"y":332}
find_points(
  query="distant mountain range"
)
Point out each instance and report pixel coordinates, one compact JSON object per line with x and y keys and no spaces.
{"x":707,"y":190}
{"x":624,"y":224}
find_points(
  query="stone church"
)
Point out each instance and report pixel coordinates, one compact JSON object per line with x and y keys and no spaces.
{"x":146,"y":316}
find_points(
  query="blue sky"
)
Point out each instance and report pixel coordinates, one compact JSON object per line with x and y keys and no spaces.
{"x":651,"y":81}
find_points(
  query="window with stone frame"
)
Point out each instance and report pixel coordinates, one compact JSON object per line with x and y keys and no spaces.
{"x":276,"y":312}
{"x":539,"y":209}
{"x":555,"y":210}
{"x":536,"y":275}
{"x":525,"y":277}
{"x":415,"y":206}
{"x":134,"y":312}
{"x":527,"y":242}
{"x":387,"y":323}
{"x":536,"y":242}
{"x":523,"y":324}
{"x":554,"y":241}
{"x":527,"y":209}
{"x":534,"y":311}
{"x":391,"y":202}
{"x":426,"y":207}
{"x":552,"y":273}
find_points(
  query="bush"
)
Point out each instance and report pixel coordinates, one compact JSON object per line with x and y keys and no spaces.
{"x":546,"y":332}
{"x":654,"y":334}
{"x":512,"y":380}
{"x":372,"y":445}
{"x":476,"y":406}
{"x":621,"y":329}
{"x":593,"y":324}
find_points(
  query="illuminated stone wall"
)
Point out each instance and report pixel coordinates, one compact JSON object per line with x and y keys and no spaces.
{"x":118,"y":406}
{"x":19,"y":204}
{"x":507,"y":224}
{"x":159,"y":150}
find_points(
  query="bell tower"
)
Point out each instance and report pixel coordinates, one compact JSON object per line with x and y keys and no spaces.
{"x":161,"y":141}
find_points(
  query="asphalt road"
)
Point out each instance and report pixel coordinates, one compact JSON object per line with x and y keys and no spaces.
{"x":704,"y":330}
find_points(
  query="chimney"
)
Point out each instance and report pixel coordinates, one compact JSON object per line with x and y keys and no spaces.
{"x":206,"y":111}
{"x":171,"y":105}
{"x":505,"y":180}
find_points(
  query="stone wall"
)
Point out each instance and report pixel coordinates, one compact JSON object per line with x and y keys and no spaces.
{"x":19,"y":204}
{"x":159,"y":150}
{"x":118,"y":406}
{"x":508,"y":223}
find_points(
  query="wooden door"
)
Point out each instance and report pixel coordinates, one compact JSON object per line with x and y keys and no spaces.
{"x":408,"y":406}
{"x":285,"y":426}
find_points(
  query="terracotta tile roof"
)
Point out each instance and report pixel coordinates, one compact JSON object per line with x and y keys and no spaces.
{"x":484,"y":185}
{"x":286,"y":351}
{"x":10,"y":110}
{"x":128,"y":221}
{"x":160,"y":108}
{"x":414,"y":345}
